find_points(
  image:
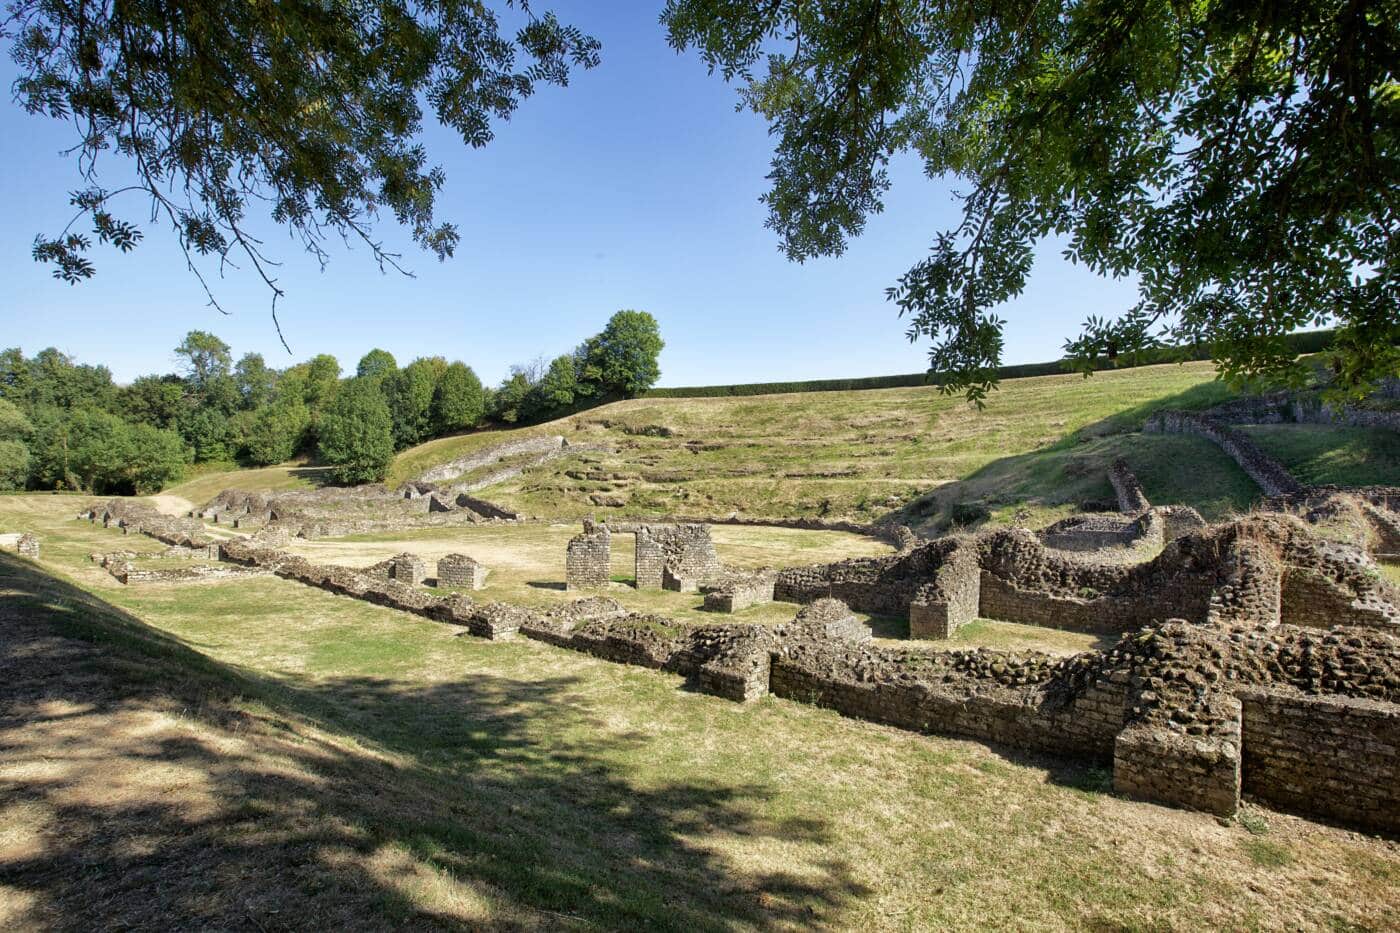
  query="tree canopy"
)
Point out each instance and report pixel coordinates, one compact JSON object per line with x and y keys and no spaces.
{"x":312,"y":109}
{"x":1243,"y":160}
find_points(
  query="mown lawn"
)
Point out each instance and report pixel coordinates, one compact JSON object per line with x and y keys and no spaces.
{"x":257,"y":753}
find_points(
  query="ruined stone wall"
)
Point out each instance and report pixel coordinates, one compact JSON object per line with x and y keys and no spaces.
{"x":28,"y":546}
{"x":490,"y":455}
{"x":953,"y":597}
{"x":738,"y":590}
{"x":588,"y":564}
{"x":1271,"y":475}
{"x":1126,"y":487}
{"x":1351,"y":769}
{"x":409,"y":569}
{"x":461,"y":571}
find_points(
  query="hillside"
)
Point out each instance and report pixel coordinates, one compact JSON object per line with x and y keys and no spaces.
{"x":1041,"y":443}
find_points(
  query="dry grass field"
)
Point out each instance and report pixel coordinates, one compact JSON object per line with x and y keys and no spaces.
{"x":255,"y":753}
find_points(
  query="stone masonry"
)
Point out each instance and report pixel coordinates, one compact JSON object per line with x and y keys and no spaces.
{"x":28,"y":546}
{"x":409,"y":568}
{"x":459,"y":570}
{"x":589,"y":561}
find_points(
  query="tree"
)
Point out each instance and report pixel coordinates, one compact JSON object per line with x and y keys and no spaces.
{"x":356,"y":436}
{"x":1242,"y":161}
{"x":206,"y":431}
{"x":147,"y":461}
{"x":14,"y":453}
{"x":376,"y":364}
{"x":13,"y":425}
{"x":206,"y":358}
{"x":277,"y":432}
{"x":255,"y":381}
{"x":409,"y":393}
{"x":14,"y":464}
{"x":312,"y":109}
{"x":154,"y":400}
{"x":510,"y":402}
{"x":623,"y":358}
{"x":559,"y":386}
{"x":458,"y":401}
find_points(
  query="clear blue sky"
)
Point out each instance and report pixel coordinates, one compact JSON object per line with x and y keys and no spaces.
{"x":635,"y":187}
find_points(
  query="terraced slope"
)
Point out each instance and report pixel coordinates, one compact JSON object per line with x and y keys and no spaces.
{"x":1042,"y":444}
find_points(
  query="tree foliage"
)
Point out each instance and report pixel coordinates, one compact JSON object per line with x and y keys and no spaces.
{"x":623,"y":359}
{"x":458,"y":401}
{"x":312,"y":109}
{"x":277,"y":432}
{"x":376,"y":364}
{"x":1242,"y":160}
{"x":356,"y":434}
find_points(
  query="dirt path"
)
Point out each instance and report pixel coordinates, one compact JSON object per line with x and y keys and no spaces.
{"x":172,"y":505}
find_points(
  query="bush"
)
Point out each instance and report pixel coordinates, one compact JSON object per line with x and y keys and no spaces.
{"x":356,"y":434}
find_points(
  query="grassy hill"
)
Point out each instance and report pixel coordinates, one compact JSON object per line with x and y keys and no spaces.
{"x":1042,"y":443}
{"x":862,"y":455}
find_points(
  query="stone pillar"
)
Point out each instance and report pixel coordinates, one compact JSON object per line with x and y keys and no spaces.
{"x":589,"y":562}
{"x":1153,"y":761}
{"x":651,"y":560}
{"x":410,"y":569}
{"x":462,"y":571}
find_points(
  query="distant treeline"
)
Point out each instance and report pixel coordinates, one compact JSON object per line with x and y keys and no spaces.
{"x":1312,"y":341}
{"x":68,"y":425}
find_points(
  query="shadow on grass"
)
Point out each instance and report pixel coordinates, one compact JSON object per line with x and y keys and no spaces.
{"x":1073,"y":471}
{"x":353,"y":802}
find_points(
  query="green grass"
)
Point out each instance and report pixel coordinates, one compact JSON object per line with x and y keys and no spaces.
{"x":1324,"y":454}
{"x":323,"y":760}
{"x":208,"y":483}
{"x":1041,"y":445}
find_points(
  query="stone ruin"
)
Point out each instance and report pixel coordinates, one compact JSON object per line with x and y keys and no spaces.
{"x":459,"y":570}
{"x":1226,"y":680}
{"x":677,"y":557}
{"x":28,"y":546}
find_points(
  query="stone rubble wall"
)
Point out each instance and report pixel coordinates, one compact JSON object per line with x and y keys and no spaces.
{"x":737,"y":590}
{"x":1271,"y":475}
{"x":1175,"y":707}
{"x":1126,"y":487}
{"x":588,"y":564}
{"x":454,"y":468}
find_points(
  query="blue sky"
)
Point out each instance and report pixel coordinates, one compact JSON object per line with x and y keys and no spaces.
{"x":635,"y":187}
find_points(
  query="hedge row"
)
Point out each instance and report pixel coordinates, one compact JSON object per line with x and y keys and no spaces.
{"x":1312,"y":341}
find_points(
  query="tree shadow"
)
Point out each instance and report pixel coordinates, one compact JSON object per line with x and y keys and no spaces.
{"x":160,"y":787}
{"x":1072,"y":471}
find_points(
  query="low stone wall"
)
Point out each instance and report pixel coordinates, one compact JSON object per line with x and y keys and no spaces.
{"x":738,"y":590}
{"x":1188,"y":713}
{"x":1126,"y":487}
{"x":588,"y":564}
{"x":1338,"y":757}
{"x":1271,"y":475}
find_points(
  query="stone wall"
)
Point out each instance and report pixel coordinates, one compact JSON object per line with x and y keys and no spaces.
{"x":1271,"y":475}
{"x":409,"y":569}
{"x":1127,"y":488}
{"x":1188,"y":713}
{"x":952,"y":599}
{"x":588,"y":564}
{"x":1334,"y":756}
{"x":735,"y":591}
